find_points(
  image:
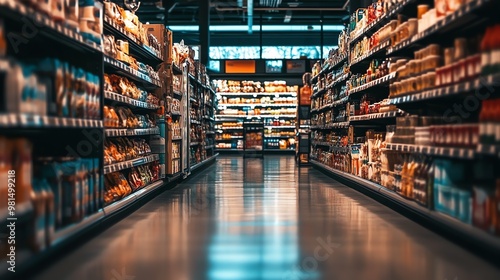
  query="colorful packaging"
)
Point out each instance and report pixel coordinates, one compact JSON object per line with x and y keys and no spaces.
{"x":49,"y":212}
{"x":91,"y":20}
{"x":53,"y":174}
{"x":71,"y":9}
{"x":71,"y":189}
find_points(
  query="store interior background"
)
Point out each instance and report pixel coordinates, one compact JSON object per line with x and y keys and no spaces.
{"x":270,"y":33}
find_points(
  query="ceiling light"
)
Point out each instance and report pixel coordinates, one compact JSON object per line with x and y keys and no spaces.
{"x":268,"y":28}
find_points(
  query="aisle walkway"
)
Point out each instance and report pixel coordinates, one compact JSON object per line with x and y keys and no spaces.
{"x":267,"y":219}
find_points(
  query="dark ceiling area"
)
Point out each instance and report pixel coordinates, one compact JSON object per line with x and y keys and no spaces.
{"x":235,"y":12}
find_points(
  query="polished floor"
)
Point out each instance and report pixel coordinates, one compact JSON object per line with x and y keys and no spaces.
{"x":267,"y":219}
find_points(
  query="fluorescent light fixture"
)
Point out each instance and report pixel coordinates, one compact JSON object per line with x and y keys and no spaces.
{"x":250,"y":16}
{"x":268,"y":28}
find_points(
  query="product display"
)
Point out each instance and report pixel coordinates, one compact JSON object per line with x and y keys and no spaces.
{"x":446,"y":163}
{"x":79,"y":141}
{"x":274,"y":102}
{"x":128,"y":24}
{"x":49,"y":87}
{"x":102,"y":108}
{"x":118,"y":185}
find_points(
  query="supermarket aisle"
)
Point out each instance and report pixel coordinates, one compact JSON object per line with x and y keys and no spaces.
{"x":267,"y":219}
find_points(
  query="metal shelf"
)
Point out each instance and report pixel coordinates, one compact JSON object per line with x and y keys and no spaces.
{"x":376,"y":51}
{"x":454,"y":20}
{"x":256,"y":93}
{"x":382,"y":81}
{"x":331,"y":125}
{"x":281,"y":137}
{"x":177,"y":94}
{"x":133,"y":74}
{"x":230,"y":139}
{"x":380,"y":22}
{"x":257,"y":105}
{"x":36,"y":121}
{"x":150,"y":56}
{"x":46,"y":26}
{"x":176,"y":69}
{"x":130,"y":163}
{"x":486,"y":241}
{"x":110,"y":132}
{"x":256,"y":116}
{"x":488,"y":150}
{"x":445,"y":91}
{"x":329,"y":68}
{"x":129,"y":101}
{"x":231,"y":128}
{"x":279,"y":127}
{"x":459,"y":153}
{"x":375,"y":116}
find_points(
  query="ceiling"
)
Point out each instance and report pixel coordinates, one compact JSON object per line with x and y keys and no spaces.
{"x":234,"y":12}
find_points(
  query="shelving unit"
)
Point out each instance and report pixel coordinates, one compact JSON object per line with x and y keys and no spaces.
{"x":372,"y":150}
{"x":202,"y":101}
{"x":132,"y":132}
{"x":485,"y":242}
{"x":13,"y":120}
{"x":129,"y":101}
{"x":143,"y":111}
{"x":150,"y":55}
{"x":129,"y":164}
{"x":92,"y":114}
{"x":48,"y":28}
{"x":28,"y":131}
{"x":126,"y":71}
{"x":278,"y":126}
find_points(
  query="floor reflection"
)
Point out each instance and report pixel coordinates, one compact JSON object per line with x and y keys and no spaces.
{"x":266,"y":219}
{"x":257,"y":237}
